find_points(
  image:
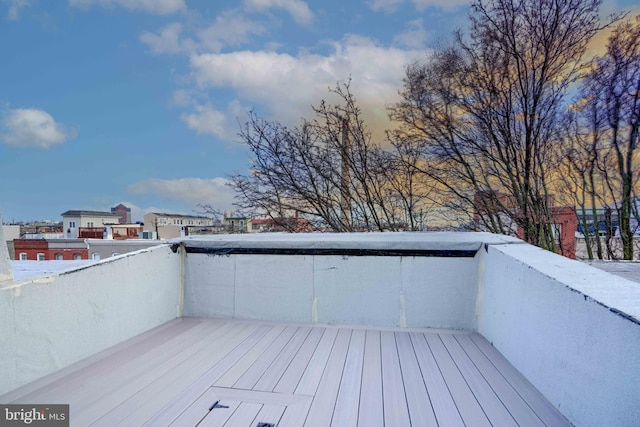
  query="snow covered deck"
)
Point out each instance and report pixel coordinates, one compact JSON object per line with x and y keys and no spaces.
{"x":293,"y":375}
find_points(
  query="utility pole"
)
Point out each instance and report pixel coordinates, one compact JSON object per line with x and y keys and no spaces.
{"x":345,"y":177}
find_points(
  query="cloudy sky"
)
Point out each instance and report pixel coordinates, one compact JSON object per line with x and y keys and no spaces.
{"x":139,"y":101}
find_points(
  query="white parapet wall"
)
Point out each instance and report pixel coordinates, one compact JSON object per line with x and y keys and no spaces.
{"x":384,"y":279}
{"x":6,"y":273}
{"x":52,"y":321}
{"x":571,"y":329}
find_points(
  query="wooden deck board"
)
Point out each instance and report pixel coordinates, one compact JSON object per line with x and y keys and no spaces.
{"x":348,"y":401}
{"x":541,"y":406}
{"x":493,"y":408}
{"x":468,"y":407}
{"x":154,"y":394}
{"x":418,"y":401}
{"x":521,"y":412}
{"x":324,"y":402}
{"x":395,"y":407}
{"x":295,"y":375}
{"x":444,"y":407}
{"x":274,"y":372}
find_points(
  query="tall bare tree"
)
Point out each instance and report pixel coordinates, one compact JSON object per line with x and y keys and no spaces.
{"x":487,"y":107}
{"x":329,"y":170}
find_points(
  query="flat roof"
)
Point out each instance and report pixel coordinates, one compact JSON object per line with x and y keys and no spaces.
{"x":26,"y":270}
{"x":627,"y":269}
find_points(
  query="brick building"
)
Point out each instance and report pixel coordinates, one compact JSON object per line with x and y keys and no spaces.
{"x":50,"y":249}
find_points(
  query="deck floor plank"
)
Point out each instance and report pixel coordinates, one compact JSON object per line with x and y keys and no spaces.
{"x":260,"y":366}
{"x":521,"y":412}
{"x":295,"y":416}
{"x":493,"y":408}
{"x":418,"y":401}
{"x":370,"y":410}
{"x":205,"y":381}
{"x":194,"y":413}
{"x":395,"y":407}
{"x":468,"y":407}
{"x":324,"y":402}
{"x":547,"y":412}
{"x":444,"y":407}
{"x":291,"y":377}
{"x":219,"y":417}
{"x":243,"y":363}
{"x":348,"y":401}
{"x":274,"y":372}
{"x":295,"y":375}
{"x":160,"y":389}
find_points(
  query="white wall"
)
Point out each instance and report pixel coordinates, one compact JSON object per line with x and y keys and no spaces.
{"x":363,"y":290}
{"x":5,"y":267}
{"x":554,"y":319}
{"x":11,"y":232}
{"x":51,"y":322}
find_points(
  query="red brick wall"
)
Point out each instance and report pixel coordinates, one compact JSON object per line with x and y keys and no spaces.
{"x":33,"y":247}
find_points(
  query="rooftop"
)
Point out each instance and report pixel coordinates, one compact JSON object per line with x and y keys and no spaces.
{"x":88,"y":213}
{"x":327,"y":329}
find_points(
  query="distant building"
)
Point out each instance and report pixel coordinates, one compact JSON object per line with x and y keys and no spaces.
{"x":237,"y":224}
{"x":123,"y":212}
{"x":75,"y":249}
{"x":74,"y":220}
{"x":564,"y":221}
{"x":289,"y":224}
{"x":171,"y":226}
{"x":50,"y":249}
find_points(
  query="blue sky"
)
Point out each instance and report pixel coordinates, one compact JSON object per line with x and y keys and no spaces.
{"x":138,"y":101}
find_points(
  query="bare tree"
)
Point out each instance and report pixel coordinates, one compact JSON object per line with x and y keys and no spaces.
{"x":328,"y":170}
{"x":615,"y":81}
{"x":488,"y":107}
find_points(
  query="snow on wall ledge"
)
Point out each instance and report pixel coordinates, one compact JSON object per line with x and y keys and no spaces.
{"x":571,"y":329}
{"x":52,"y":321}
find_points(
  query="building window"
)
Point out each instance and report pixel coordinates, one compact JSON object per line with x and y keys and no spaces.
{"x":72,"y":224}
{"x":77,"y":257}
{"x":90,"y":224}
{"x":95,"y":256}
{"x":40,"y":257}
{"x":23,"y":256}
{"x":59,"y":257}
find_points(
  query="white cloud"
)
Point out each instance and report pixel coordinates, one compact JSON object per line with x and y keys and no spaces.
{"x":30,"y":127}
{"x":420,"y":5}
{"x":231,"y":28}
{"x":299,"y":10}
{"x":193,"y":191}
{"x":288,"y":85}
{"x":168,"y":40}
{"x":385,"y":5}
{"x":13,"y":12}
{"x":158,"y":7}
{"x":415,"y":36}
{"x":442,"y":4}
{"x":205,"y":119}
